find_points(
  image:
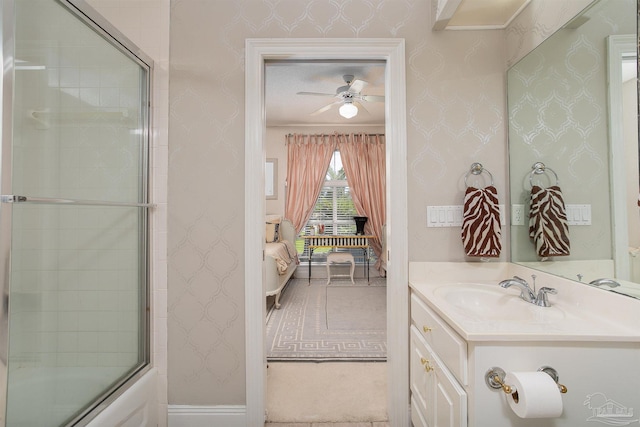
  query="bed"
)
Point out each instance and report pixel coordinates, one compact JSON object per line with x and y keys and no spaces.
{"x":281,"y":258}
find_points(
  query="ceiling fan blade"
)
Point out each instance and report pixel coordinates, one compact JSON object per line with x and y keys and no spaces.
{"x":325,"y":108}
{"x":356,"y":86}
{"x":361,"y":107}
{"x":316,"y":94}
{"x":372,"y":98}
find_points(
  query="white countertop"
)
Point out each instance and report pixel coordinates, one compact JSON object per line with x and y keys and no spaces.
{"x":467,"y":296}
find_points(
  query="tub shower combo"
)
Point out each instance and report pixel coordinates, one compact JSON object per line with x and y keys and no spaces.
{"x":74,"y":213}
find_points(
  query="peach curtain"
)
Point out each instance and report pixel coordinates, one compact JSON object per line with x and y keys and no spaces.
{"x":307,"y":162}
{"x":363,"y":159}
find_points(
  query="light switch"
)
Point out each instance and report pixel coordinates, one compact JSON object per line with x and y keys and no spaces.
{"x":444,"y":216}
{"x":458,"y":213}
{"x":578,"y":214}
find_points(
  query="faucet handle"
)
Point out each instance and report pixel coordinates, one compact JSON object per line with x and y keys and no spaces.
{"x":541,"y":299}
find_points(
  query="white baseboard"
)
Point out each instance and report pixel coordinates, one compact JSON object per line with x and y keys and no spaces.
{"x":207,"y":416}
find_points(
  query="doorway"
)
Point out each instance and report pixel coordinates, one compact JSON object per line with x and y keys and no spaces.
{"x":392,"y":52}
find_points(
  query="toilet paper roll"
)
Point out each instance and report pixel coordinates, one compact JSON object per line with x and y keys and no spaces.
{"x":536,"y":395}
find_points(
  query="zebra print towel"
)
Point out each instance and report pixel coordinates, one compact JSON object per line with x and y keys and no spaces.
{"x":548,"y":226}
{"x":481,"y":229}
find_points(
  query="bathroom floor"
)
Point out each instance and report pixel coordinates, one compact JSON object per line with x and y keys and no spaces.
{"x":326,"y":394}
{"x":376,"y":424}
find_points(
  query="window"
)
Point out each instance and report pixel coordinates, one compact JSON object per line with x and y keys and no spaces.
{"x":334,"y":210}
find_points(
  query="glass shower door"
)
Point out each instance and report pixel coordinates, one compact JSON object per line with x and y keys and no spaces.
{"x":76,"y":196}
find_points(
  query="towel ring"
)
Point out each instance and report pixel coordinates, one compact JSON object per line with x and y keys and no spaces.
{"x":476,"y":169}
{"x":539,"y":168}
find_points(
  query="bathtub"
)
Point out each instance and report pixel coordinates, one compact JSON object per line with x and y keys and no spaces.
{"x":136,"y":406}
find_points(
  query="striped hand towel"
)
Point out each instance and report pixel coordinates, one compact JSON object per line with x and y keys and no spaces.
{"x":548,"y":226}
{"x":481,"y":229}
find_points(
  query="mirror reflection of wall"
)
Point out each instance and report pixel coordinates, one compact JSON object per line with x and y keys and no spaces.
{"x":630,"y":163}
{"x":558,"y":114}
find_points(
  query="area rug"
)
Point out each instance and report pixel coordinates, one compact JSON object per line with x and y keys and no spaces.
{"x":329,"y":392}
{"x":339,"y":321}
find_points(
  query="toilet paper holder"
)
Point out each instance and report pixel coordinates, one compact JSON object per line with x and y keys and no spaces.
{"x":494,"y":378}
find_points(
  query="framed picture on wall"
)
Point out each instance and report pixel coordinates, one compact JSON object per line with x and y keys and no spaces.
{"x":271,"y":179}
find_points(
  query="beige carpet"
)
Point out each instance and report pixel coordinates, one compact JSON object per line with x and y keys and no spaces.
{"x":350,"y":308}
{"x":320,"y":322}
{"x":326,"y":392}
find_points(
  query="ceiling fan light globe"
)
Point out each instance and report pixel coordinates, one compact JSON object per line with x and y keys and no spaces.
{"x":348,"y":110}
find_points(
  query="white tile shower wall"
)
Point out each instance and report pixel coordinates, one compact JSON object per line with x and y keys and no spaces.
{"x":56,"y":269}
{"x":146,"y":23}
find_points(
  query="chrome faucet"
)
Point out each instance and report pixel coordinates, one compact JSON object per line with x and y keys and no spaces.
{"x":528,"y":294}
{"x":609,"y":282}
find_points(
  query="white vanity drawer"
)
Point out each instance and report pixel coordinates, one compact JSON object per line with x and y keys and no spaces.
{"x":447,"y":344}
{"x":437,"y":399}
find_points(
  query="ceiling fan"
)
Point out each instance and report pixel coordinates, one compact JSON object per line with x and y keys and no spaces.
{"x":349,"y":96}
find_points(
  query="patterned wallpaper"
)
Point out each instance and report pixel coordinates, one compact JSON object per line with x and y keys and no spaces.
{"x":456,"y":116}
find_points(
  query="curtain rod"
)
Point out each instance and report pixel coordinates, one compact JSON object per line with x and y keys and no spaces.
{"x":337,"y":133}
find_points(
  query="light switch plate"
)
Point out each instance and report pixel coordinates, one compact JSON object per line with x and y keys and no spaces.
{"x":451,"y":216}
{"x":578,"y":214}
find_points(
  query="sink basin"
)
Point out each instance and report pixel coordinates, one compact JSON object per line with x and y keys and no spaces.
{"x":468,"y":298}
{"x":482,"y":303}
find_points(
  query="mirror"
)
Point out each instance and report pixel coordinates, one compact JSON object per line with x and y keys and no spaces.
{"x":584,"y":130}
{"x":271,"y":179}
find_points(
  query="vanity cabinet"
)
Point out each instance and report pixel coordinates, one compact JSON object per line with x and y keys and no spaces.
{"x":463,"y":324}
{"x":438,"y":368}
{"x":447,"y":371}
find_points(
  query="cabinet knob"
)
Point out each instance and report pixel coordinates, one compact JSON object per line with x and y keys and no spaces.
{"x":426,"y":329}
{"x":426,"y":364}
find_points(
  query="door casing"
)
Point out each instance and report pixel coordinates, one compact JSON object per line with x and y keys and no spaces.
{"x":392,"y":51}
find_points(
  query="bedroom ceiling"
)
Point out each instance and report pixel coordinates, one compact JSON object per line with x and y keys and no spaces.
{"x":284,"y":79}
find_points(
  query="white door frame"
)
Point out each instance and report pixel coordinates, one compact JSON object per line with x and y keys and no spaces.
{"x":392,"y":51}
{"x":620,"y":47}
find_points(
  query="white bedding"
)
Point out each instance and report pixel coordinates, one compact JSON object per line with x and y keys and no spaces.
{"x":284,"y":253}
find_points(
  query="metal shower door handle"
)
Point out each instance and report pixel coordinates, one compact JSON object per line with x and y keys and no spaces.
{"x":13,"y":198}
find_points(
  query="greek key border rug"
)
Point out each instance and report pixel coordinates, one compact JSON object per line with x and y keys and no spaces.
{"x":320,"y":322}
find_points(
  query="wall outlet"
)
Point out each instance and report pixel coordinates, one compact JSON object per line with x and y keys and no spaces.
{"x":517,"y":214}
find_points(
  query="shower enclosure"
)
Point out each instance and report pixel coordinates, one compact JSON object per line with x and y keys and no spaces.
{"x":74,"y":212}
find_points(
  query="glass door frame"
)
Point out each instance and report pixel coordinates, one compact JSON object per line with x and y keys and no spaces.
{"x":101,"y":26}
